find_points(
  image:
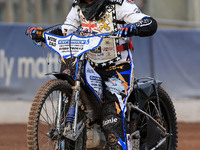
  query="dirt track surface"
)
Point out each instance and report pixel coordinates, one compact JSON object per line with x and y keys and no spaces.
{"x":13,"y":137}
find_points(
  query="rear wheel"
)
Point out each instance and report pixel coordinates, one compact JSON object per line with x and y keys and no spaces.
{"x":149,"y":133}
{"x":46,"y":121}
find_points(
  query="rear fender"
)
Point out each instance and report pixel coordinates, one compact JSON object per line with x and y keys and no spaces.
{"x":143,"y":89}
{"x":148,"y":86}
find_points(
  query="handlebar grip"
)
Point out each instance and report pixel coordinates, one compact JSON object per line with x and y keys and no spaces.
{"x":40,"y":32}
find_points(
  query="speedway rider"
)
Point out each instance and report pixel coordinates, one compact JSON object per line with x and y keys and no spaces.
{"x":113,"y":59}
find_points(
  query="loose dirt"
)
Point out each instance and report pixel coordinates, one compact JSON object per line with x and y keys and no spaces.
{"x":13,"y":136}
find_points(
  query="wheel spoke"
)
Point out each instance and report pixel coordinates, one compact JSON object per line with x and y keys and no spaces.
{"x":43,"y":118}
{"x":45,"y":144}
{"x":46,"y":120}
{"x":40,"y":138}
{"x":54,"y":111}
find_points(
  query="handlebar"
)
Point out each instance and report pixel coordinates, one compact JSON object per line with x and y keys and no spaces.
{"x":40,"y":32}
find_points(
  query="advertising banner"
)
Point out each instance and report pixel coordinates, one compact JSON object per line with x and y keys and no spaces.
{"x":23,"y":65}
{"x":171,"y":56}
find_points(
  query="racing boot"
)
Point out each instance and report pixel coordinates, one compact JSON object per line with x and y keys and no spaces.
{"x":115,"y":129}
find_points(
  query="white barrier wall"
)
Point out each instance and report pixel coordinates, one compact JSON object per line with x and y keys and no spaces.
{"x":18,"y":111}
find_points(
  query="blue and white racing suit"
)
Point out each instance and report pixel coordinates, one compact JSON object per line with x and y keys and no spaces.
{"x":112,"y":61}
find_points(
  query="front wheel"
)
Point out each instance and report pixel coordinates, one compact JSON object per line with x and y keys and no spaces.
{"x":150,"y":136}
{"x":47,"y":119}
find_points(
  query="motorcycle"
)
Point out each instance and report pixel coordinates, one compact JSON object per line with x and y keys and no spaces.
{"x":66,"y":111}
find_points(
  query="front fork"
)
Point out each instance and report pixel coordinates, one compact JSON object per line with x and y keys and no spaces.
{"x":72,"y":115}
{"x":76,"y":99}
{"x":59,"y":115}
{"x":60,"y":144}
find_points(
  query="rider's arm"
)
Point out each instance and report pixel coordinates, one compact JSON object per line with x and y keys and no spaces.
{"x":72,"y":21}
{"x":146,"y":27}
{"x":130,"y":13}
{"x":70,"y":25}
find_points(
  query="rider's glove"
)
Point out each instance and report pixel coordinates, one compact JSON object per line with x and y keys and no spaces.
{"x":127,"y":31}
{"x":35,"y":34}
{"x":31,"y":33}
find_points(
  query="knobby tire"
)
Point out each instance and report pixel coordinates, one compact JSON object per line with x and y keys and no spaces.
{"x":41,"y":127}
